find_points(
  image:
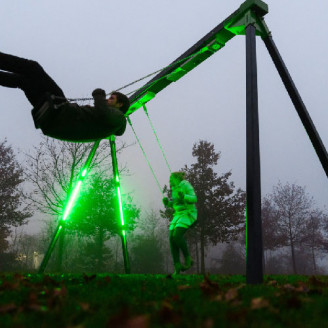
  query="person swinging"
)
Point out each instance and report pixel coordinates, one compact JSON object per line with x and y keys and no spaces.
{"x":185,"y":215}
{"x":53,"y":114}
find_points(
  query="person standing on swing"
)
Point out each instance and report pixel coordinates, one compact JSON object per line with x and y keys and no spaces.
{"x":184,"y":216}
{"x":53,"y":114}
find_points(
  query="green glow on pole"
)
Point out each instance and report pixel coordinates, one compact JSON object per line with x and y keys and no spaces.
{"x":84,"y":172}
{"x":71,"y":201}
{"x":120,"y":204}
{"x":116,"y":181}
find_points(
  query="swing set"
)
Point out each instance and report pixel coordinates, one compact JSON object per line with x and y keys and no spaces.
{"x":248,"y":20}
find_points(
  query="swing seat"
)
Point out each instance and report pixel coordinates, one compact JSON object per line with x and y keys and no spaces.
{"x":42,"y":113}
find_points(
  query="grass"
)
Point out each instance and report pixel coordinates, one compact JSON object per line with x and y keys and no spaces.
{"x":142,"y":301}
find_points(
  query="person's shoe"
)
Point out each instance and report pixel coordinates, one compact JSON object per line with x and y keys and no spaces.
{"x":188,"y":264}
{"x":177,"y":269}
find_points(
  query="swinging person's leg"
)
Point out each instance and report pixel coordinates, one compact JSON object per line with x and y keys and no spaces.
{"x":180,"y":241}
{"x":10,"y":80}
{"x":33,"y":80}
{"x":175,"y":253}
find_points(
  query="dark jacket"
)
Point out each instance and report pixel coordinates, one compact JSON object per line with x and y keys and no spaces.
{"x":71,"y":122}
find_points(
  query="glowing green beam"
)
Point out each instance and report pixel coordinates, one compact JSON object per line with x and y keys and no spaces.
{"x":72,"y":200}
{"x":121,"y":206}
{"x":83,"y":174}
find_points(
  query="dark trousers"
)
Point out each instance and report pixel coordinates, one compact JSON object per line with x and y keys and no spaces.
{"x":177,"y":243}
{"x":29,"y":76}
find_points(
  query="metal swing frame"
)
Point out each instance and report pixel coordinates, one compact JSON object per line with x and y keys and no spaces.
{"x":247,"y":20}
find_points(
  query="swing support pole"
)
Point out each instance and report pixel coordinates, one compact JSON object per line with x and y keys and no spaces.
{"x":254,"y":247}
{"x":72,"y":196}
{"x":119,"y":199}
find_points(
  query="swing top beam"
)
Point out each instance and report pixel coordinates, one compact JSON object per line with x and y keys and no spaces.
{"x":203,"y":49}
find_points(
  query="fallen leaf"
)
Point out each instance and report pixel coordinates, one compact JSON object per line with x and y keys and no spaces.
{"x":167,"y":305}
{"x":84,"y":306}
{"x":18,"y":277}
{"x":218,"y":298}
{"x":259,"y":303}
{"x":272,"y":283}
{"x":183,"y":287}
{"x":8,"y":308}
{"x":302,"y":287}
{"x":288,"y":287}
{"x":208,"y":323}
{"x":60,"y":292}
{"x":141,"y":321}
{"x":37,"y":307}
{"x":10,"y":286}
{"x":231,"y":294}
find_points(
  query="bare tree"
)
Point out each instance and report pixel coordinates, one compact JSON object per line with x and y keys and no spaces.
{"x":314,"y":238}
{"x":291,"y":206}
{"x":53,"y":166}
{"x":13,"y":210}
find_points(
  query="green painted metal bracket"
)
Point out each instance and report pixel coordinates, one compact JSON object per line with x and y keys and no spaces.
{"x":142,"y":100}
{"x":250,"y":12}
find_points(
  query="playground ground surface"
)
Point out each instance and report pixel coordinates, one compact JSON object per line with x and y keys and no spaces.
{"x":140,"y":301}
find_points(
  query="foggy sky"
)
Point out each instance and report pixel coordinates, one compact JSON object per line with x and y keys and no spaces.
{"x":84,"y":45}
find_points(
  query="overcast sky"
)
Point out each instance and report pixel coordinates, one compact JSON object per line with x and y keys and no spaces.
{"x":84,"y":45}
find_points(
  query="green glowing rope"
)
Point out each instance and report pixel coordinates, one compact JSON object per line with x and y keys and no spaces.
{"x":158,"y":142}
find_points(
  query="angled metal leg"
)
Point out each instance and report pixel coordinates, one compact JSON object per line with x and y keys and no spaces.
{"x":70,"y":202}
{"x":118,"y":192}
{"x":254,"y":269}
{"x":298,"y":103}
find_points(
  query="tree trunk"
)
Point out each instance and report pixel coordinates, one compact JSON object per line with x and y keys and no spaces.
{"x":202,"y":252}
{"x":197,"y":257}
{"x":293,"y":256}
{"x":313,"y":261}
{"x":292,"y":246}
{"x":264,"y":260}
{"x":100,"y":249}
{"x":59,"y":264}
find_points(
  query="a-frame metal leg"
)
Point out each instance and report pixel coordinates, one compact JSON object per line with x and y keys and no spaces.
{"x":118,"y":192}
{"x":254,"y":269}
{"x":70,"y":201}
{"x":50,"y":248}
{"x":298,"y":103}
